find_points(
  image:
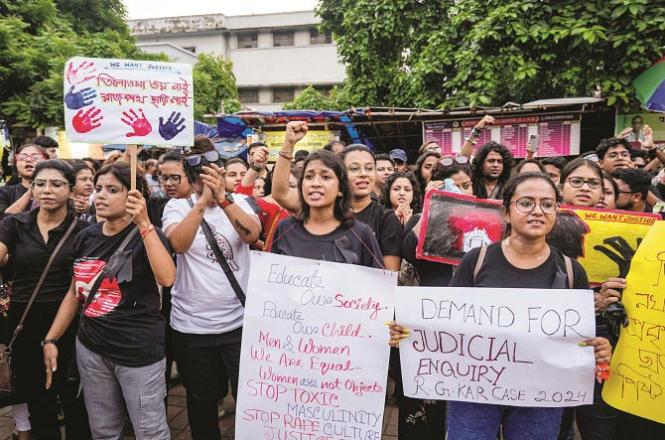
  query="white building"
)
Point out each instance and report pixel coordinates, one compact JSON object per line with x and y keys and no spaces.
{"x":274,"y":55}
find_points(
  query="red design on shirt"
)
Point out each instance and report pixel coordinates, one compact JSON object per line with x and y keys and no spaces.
{"x":108,"y":295}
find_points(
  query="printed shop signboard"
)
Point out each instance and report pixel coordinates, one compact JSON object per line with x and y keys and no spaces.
{"x":602,"y":240}
{"x":128,"y":102}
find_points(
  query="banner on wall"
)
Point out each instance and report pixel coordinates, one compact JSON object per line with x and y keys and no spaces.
{"x":517,"y":347}
{"x":115,"y":101}
{"x":558,"y":134}
{"x":637,"y":381}
{"x":314,"y":358}
{"x":602,"y":240}
{"x":313,"y":140}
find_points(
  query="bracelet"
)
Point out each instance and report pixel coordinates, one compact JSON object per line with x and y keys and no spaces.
{"x":470,"y":140}
{"x":256,"y":168}
{"x":48,"y":341}
{"x":146,"y":231}
{"x":286,"y":156}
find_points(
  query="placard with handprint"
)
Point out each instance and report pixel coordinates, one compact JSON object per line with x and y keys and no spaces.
{"x":128,"y":102}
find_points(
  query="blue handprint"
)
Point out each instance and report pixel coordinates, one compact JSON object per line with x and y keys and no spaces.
{"x":77,"y":100}
{"x":173,"y":126}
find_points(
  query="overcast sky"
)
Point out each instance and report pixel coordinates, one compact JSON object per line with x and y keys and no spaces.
{"x":174,"y":8}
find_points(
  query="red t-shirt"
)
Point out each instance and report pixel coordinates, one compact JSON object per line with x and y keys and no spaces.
{"x":270,"y":216}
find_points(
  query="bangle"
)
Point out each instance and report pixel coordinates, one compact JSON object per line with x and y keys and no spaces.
{"x":146,"y":231}
{"x":48,"y":341}
{"x":470,"y":140}
{"x":286,"y":156}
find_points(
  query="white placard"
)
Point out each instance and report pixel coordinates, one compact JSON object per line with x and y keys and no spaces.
{"x":517,"y":347}
{"x":128,"y":102}
{"x":314,"y":359}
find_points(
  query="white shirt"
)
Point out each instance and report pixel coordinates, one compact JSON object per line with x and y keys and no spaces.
{"x":203,"y":301}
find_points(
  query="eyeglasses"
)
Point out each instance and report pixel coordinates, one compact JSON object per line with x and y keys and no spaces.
{"x":174,"y":179}
{"x":196,"y":160}
{"x":577,"y":182}
{"x":614,"y":155}
{"x":25,"y":156}
{"x":526,"y":205}
{"x":448,"y":161}
{"x":57,"y":184}
{"x":355,"y":169}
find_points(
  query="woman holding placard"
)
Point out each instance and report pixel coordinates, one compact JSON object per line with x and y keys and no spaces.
{"x":522,"y":260}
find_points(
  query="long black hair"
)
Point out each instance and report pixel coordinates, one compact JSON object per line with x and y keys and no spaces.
{"x":342,"y":209}
{"x":419,"y":163}
{"x":416,"y":203}
{"x":479,"y":159}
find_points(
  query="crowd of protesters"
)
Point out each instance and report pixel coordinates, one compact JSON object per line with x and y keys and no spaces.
{"x":157,"y":275}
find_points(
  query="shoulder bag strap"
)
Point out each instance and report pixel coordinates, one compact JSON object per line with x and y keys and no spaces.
{"x":219,"y":256}
{"x":569,"y":271}
{"x":104,"y":271}
{"x":40,"y":281}
{"x":479,"y":262}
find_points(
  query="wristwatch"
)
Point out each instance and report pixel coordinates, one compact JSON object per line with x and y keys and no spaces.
{"x":48,"y":341}
{"x":228,"y":200}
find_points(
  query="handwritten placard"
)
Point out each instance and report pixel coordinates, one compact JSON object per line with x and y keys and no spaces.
{"x":515,"y":347}
{"x":314,"y":357}
{"x":128,"y":102}
{"x":637,"y":377}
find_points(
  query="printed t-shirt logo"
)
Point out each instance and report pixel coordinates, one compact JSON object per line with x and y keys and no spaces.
{"x":107,"y":298}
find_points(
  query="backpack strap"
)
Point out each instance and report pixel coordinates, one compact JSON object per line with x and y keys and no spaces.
{"x":569,"y":271}
{"x":479,"y":262}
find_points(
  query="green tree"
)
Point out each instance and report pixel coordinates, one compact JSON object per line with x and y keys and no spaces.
{"x":448,"y":53}
{"x":36,"y":39}
{"x":214,"y":82}
{"x":313,"y":99}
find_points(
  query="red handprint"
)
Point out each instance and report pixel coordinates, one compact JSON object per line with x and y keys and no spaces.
{"x":84,"y":72}
{"x":140,"y":125}
{"x":85,"y":121}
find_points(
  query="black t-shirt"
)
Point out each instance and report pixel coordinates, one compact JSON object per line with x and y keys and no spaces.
{"x":155,"y":207}
{"x":386,"y":227}
{"x":496,"y":271}
{"x":29,"y":255}
{"x":9,"y":194}
{"x":123,"y":322}
{"x":351,"y":245}
{"x":431,"y":273}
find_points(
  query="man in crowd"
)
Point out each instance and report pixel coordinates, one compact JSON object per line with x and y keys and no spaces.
{"x":633,"y":184}
{"x":334,"y":147}
{"x":400,"y":160}
{"x":385,"y":166}
{"x":491,"y":169}
{"x":640,"y":158}
{"x":553,"y":167}
{"x":49,"y":144}
{"x":614,"y":154}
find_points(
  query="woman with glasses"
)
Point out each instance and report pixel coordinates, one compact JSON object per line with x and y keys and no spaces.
{"x":582,"y":184}
{"x":15,"y":199}
{"x":30,"y":238}
{"x":521,"y":260}
{"x":206,"y":313}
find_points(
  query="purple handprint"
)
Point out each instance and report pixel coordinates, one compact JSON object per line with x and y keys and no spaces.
{"x":82,"y":98}
{"x":173,"y":126}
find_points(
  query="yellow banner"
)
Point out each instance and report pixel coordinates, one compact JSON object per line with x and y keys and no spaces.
{"x":637,"y":376}
{"x":612,"y":238}
{"x":313,"y":140}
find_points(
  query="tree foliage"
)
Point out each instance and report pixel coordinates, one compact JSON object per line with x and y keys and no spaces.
{"x":312,"y":99}
{"x":214,"y":81}
{"x":36,"y":39}
{"x":449,"y":53}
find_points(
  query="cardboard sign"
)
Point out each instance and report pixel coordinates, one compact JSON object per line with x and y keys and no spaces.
{"x":602,"y":240}
{"x":313,"y":140}
{"x":637,"y":379}
{"x":129,"y":102}
{"x":314,"y":359}
{"x":517,"y":347}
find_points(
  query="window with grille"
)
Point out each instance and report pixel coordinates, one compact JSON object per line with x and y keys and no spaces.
{"x":248,"y":96}
{"x":248,"y":40}
{"x":316,"y":37}
{"x":282,"y":38}
{"x":282,"y":94}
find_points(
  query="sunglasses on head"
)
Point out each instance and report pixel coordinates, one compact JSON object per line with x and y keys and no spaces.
{"x":196,"y":160}
{"x":448,"y":161}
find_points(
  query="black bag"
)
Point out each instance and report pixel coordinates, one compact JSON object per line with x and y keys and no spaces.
{"x":219,"y":256}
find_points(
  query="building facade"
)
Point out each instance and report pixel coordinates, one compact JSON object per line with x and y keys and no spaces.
{"x":275,"y":56}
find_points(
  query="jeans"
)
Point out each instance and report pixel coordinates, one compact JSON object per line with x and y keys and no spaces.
{"x":201,"y":359}
{"x":479,"y":421}
{"x":106,"y":384}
